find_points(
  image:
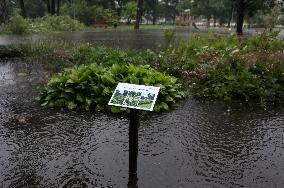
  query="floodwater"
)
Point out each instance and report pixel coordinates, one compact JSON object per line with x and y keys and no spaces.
{"x":125,"y":39}
{"x":199,"y":144}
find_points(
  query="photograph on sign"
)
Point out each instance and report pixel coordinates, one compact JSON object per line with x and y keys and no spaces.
{"x":134,"y":96}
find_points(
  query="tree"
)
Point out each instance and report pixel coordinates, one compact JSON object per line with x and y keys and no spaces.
{"x":58,"y":8}
{"x":22,"y":4}
{"x":269,"y":19}
{"x":204,"y":8}
{"x":138,"y":13}
{"x":129,"y":11}
{"x":87,"y":12}
{"x":249,"y":8}
{"x":223,"y":10}
{"x":240,"y":7}
{"x":36,"y":8}
{"x":53,"y":6}
{"x":169,"y":9}
{"x":4,"y":11}
{"x":152,"y":7}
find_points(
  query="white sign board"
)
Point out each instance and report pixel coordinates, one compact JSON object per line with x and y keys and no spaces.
{"x":134,"y":96}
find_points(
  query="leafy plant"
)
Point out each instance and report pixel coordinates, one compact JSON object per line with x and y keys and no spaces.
{"x":129,"y":11}
{"x":91,"y":86}
{"x":17,"y":24}
{"x":54,"y":23}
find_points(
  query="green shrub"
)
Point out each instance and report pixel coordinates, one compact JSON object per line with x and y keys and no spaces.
{"x":262,"y":81}
{"x":88,"y":14}
{"x":17,"y":24}
{"x":55,"y":23}
{"x":88,"y":54}
{"x":91,"y":86}
{"x":266,"y":41}
{"x":233,"y":69}
{"x":227,"y":68}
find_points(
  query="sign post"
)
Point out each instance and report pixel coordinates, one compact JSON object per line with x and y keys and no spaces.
{"x":135,"y":97}
{"x":133,"y":147}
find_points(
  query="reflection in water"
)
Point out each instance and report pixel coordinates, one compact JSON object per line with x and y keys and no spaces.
{"x":199,"y":144}
{"x":132,"y":39}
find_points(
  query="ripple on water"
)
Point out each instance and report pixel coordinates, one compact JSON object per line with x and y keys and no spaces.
{"x":200,"y":144}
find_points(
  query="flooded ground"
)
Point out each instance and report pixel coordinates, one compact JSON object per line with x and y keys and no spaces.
{"x":130,"y":39}
{"x":199,"y":144}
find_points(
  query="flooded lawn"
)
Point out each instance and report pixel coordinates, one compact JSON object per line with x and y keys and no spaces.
{"x":129,"y":39}
{"x":199,"y":144}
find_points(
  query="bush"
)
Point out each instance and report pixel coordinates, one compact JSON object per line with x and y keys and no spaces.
{"x":91,"y":86}
{"x":230,"y":68}
{"x":54,"y":23}
{"x":88,"y":14}
{"x":17,"y":24}
{"x":103,"y":56}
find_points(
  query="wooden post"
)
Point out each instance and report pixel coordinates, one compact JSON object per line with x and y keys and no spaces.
{"x":133,"y":148}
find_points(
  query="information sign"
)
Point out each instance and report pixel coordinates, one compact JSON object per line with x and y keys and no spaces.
{"x":134,"y":96}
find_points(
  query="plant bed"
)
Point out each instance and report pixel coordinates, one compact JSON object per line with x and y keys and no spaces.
{"x":91,"y":87}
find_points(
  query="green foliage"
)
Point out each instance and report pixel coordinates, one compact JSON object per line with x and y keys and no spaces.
{"x":129,"y":11}
{"x":19,"y":25}
{"x":224,"y":68}
{"x":234,"y":69}
{"x":54,"y":23}
{"x":235,"y":80}
{"x":266,"y":41}
{"x":91,"y":86}
{"x":268,"y":20}
{"x":88,"y":14}
{"x":89,"y":54}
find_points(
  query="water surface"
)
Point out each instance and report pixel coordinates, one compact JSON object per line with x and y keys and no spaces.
{"x":199,"y":144}
{"x":125,"y":39}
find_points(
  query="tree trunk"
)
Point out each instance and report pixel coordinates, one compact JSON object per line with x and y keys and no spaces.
{"x":22,"y":5}
{"x":208,"y":21}
{"x":215,"y":20}
{"x":52,"y":7}
{"x":240,"y":16}
{"x":154,"y":18}
{"x":48,"y":6}
{"x":58,"y":8}
{"x":138,"y":14}
{"x":4,"y":11}
{"x":119,"y":9}
{"x":231,"y":16}
{"x":221,"y":22}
